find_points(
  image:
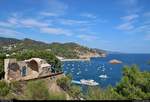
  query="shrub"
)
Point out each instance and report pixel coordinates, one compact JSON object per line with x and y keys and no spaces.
{"x":64,"y":83}
{"x":37,"y":90}
{"x":57,"y":96}
{"x":96,"y":93}
{"x":4,"y":88}
{"x":75,"y":91}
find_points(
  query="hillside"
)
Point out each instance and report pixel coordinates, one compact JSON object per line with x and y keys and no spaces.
{"x":8,"y":41}
{"x":65,"y":50}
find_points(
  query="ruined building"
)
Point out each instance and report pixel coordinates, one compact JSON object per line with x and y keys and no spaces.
{"x":27,"y":69}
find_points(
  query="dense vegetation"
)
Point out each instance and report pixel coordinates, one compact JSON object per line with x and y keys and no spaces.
{"x":66,"y":50}
{"x":134,"y":84}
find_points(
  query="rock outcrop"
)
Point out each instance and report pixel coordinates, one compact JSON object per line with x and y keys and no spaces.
{"x":114,"y":61}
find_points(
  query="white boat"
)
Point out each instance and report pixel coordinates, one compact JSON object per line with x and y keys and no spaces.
{"x":103,"y":76}
{"x":78,"y":73}
{"x":89,"y":82}
{"x":103,"y":70}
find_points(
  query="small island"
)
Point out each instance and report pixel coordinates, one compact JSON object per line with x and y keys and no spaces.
{"x":115,"y":61}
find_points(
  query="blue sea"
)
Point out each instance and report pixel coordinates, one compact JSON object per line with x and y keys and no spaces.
{"x":99,"y":66}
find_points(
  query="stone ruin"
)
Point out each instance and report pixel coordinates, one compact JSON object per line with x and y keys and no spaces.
{"x":27,"y":69}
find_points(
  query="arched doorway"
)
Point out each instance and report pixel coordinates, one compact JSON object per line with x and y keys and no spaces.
{"x":34,"y":65}
{"x":14,"y":71}
{"x":33,"y":68}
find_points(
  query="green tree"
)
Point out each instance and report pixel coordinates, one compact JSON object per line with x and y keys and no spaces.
{"x":2,"y":57}
{"x":134,"y":83}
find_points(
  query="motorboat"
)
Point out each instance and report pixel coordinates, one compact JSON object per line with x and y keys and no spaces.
{"x":103,"y":76}
{"x":89,"y":82}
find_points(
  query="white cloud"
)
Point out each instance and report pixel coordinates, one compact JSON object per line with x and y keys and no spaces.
{"x":5,"y":24}
{"x":55,"y":6}
{"x":21,"y":22}
{"x":87,"y":37}
{"x":13,"y":20}
{"x":130,"y":17}
{"x":147,"y":37}
{"x":130,"y":6}
{"x":72,"y":22}
{"x":125,"y":26}
{"x":56,"y":31}
{"x":147,"y":14}
{"x":142,"y":28}
{"x":88,"y":15}
{"x":128,"y":22}
{"x":33,"y":23}
{"x":49,"y":14}
{"x":8,"y":32}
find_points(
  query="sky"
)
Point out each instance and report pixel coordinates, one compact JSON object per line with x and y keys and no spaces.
{"x":114,"y":25}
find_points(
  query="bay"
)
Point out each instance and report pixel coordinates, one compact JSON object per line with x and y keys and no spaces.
{"x":100,"y":66}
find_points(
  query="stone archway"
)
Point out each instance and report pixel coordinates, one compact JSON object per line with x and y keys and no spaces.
{"x":33,"y":65}
{"x":33,"y":69}
{"x":14,"y":71}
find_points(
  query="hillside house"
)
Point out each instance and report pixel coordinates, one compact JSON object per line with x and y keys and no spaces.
{"x":27,"y":69}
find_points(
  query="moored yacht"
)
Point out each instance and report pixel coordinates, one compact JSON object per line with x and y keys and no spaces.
{"x":89,"y":82}
{"x":103,"y":76}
